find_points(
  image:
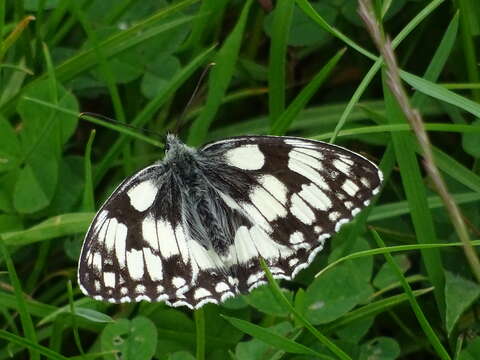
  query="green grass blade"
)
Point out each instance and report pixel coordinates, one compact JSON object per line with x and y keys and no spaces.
{"x":439,"y":59}
{"x":388,"y":211}
{"x":440,"y":93}
{"x":26,"y":320}
{"x":270,"y":337}
{"x":391,"y":249}
{"x":422,"y":319}
{"x":55,"y":227}
{"x":416,"y":196}
{"x":219,"y":79}
{"x":282,"y":18}
{"x":282,"y":123}
{"x":277,"y":292}
{"x":31,"y":345}
{"x":310,"y":11}
{"x":372,"y":309}
{"x":199,"y":316}
{"x":88,"y":201}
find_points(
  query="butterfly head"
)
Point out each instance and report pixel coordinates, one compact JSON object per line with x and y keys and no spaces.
{"x":176,"y":150}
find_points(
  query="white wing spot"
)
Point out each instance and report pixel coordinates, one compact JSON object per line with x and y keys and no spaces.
{"x":334,"y":216}
{"x":365,"y":182}
{"x":201,"y":293}
{"x":135,"y":264}
{"x":315,"y":197}
{"x":274,"y":187}
{"x":120,"y":241}
{"x":301,"y":210}
{"x":98,"y":286}
{"x":254,"y":278}
{"x":221,"y":287}
{"x":305,"y":159}
{"x":317,"y":229}
{"x":292,"y":262}
{"x":308,"y":172}
{"x":355,"y":211}
{"x":97,"y":261}
{"x":109,"y":279}
{"x":246,"y":157}
{"x":178,"y":282}
{"x":341,"y":166}
{"x":154,"y":264}
{"x":350,"y":187}
{"x":149,"y":232}
{"x":315,"y":153}
{"x":123,"y":291}
{"x":243,"y":246}
{"x":256,"y":216}
{"x":107,"y":233}
{"x":267,"y":204}
{"x":296,"y":238}
{"x":182,"y":243}
{"x":142,"y":195}
{"x":166,"y":236}
{"x":348,"y":204}
{"x":140,"y":289}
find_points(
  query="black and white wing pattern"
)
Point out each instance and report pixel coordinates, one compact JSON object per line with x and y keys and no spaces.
{"x":190,"y":230}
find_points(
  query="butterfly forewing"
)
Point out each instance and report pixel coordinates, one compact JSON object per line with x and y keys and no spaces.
{"x":191,"y":229}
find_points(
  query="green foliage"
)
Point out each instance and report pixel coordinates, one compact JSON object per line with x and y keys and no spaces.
{"x":282,"y":67}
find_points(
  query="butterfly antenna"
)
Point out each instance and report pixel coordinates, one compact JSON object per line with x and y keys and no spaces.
{"x":192,"y":98}
{"x":113,"y":121}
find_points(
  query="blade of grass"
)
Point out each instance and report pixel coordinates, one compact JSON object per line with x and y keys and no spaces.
{"x":281,"y":123}
{"x":416,"y":196}
{"x":200,"y":333}
{"x":468,"y":42}
{"x":149,"y":110}
{"x":440,"y":93}
{"x":372,"y":309}
{"x":298,"y":316}
{"x":386,"y":211}
{"x":14,"y":35}
{"x":282,"y":18}
{"x":76,"y":335}
{"x":391,"y":249}
{"x":88,"y":201}
{"x":25,"y":318}
{"x":219,"y":79}
{"x":270,"y":337}
{"x":31,"y":345}
{"x":422,"y":319}
{"x":54,"y":227}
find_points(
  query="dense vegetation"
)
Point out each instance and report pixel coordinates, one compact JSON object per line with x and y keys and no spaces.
{"x":305,"y":68}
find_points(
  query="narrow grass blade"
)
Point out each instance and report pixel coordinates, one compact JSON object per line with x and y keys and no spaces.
{"x":282,"y":18}
{"x":32,"y":346}
{"x":441,"y":93}
{"x":26,"y":320}
{"x":391,"y":249}
{"x":268,"y":336}
{"x":422,"y":319}
{"x":282,"y":123}
{"x":88,"y":202}
{"x":200,"y":333}
{"x":299,"y":317}
{"x":57,"y":226}
{"x":416,"y":196}
{"x":76,"y":335}
{"x":388,"y":211}
{"x":372,"y":309}
{"x":219,"y":79}
{"x":439,"y":59}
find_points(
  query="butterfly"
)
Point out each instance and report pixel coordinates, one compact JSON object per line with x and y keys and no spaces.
{"x":190,"y":229}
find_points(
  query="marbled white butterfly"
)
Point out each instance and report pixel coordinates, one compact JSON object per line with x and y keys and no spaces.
{"x":190,"y":229}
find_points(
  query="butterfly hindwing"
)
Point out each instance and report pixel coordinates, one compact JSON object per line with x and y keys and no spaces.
{"x":190,"y":230}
